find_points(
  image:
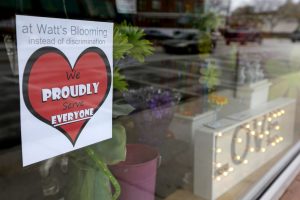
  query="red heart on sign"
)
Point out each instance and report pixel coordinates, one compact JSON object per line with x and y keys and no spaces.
{"x":63,"y":97}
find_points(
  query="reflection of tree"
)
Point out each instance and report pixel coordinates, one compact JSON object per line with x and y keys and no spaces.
{"x":272,"y":18}
{"x":269,"y":11}
{"x":261,"y":12}
{"x":291,"y":10}
{"x":245,"y":16}
{"x":207,"y":22}
{"x":267,"y":5}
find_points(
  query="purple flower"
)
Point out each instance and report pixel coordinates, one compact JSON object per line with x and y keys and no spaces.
{"x":153,"y":114}
{"x":159,"y":101}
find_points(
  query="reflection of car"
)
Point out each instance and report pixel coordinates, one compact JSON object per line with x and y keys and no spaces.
{"x":188,"y":43}
{"x":295,"y":35}
{"x":242,"y":35}
{"x":155,"y":35}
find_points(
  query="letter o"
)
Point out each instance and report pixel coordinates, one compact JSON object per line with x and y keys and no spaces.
{"x":81,"y":114}
{"x":65,"y":92}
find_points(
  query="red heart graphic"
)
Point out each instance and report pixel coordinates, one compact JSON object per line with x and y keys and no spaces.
{"x":63,"y":97}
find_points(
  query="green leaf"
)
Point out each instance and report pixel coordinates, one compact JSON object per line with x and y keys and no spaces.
{"x":113,"y":150}
{"x":87,"y":183}
{"x":122,"y":109}
{"x":140,"y":47}
{"x":121,"y":46}
{"x":119,"y":82}
{"x":128,"y":41}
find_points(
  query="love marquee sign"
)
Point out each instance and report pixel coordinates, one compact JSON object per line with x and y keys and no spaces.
{"x":65,"y":73}
{"x":226,"y":157}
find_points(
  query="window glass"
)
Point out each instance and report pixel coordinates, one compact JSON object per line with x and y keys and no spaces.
{"x":205,"y":101}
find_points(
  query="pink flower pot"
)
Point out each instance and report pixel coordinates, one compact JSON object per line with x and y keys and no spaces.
{"x":137,"y":174}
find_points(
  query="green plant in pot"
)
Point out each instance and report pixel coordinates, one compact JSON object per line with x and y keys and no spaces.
{"x":88,"y":176}
{"x":206,"y":23}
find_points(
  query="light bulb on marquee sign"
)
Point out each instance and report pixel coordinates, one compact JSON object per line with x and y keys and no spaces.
{"x":255,"y":136}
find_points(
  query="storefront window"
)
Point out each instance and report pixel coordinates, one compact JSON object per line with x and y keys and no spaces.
{"x":205,"y":100}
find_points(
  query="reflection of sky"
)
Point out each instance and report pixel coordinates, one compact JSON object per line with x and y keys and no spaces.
{"x":238,"y":3}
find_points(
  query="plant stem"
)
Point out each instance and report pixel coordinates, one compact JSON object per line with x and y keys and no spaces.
{"x":65,"y":9}
{"x":102,"y":166}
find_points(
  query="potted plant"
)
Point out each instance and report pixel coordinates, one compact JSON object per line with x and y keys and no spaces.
{"x":154,"y":110}
{"x":89,"y":178}
{"x":137,"y":173}
{"x":207,"y":23}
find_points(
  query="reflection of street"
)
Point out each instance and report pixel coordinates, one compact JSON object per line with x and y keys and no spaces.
{"x":281,"y":52}
{"x":277,"y":49}
{"x":280,"y":49}
{"x":181,"y":72}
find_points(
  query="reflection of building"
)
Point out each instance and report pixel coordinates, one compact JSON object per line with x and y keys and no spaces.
{"x":167,"y":13}
{"x":179,"y":6}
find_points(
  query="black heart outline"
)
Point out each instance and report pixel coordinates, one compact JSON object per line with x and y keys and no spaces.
{"x":49,"y":49}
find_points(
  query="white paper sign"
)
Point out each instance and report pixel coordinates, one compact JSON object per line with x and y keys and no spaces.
{"x":65,"y":74}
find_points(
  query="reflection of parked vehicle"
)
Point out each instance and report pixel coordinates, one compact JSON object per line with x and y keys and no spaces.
{"x":295,"y":35}
{"x":242,"y":36}
{"x":155,"y":35}
{"x":188,"y":43}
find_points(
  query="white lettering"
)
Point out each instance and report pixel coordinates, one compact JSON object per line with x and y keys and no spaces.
{"x":53,"y":120}
{"x":72,"y":117}
{"x":95,"y":85}
{"x":56,"y":92}
{"x":82,"y":90}
{"x":67,"y":91}
{"x":46,"y":94}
